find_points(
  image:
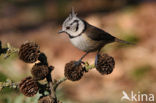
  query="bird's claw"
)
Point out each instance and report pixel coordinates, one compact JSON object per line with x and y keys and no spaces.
{"x":77,"y":63}
{"x":96,"y":59}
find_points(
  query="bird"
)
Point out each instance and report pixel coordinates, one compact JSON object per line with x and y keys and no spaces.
{"x":85,"y":36}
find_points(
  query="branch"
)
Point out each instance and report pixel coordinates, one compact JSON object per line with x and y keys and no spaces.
{"x":8,"y":50}
{"x":11,"y":50}
{"x":50,"y":83}
{"x":59,"y":82}
{"x":9,"y":83}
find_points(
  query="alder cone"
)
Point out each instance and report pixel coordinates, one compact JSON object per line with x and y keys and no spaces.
{"x":28,"y":86}
{"x":29,"y":52}
{"x":105,"y":64}
{"x":73,"y":72}
{"x":40,"y":71}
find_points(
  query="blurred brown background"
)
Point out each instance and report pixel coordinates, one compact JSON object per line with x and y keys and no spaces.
{"x":40,"y":20}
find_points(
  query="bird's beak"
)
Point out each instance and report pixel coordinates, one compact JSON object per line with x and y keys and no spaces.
{"x":61,"y":31}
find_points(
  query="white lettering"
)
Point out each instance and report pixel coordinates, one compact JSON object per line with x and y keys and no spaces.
{"x":137,"y":97}
{"x":133,"y":96}
{"x":151,"y":97}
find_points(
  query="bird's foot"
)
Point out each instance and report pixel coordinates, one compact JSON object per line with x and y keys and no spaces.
{"x":77,"y":63}
{"x":96,"y":59}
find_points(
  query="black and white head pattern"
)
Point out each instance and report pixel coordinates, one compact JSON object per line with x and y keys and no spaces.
{"x":73,"y":26}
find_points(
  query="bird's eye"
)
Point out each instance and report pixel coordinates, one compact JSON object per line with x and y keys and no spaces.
{"x":67,"y":27}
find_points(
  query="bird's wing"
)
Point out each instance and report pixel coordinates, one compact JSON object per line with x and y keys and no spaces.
{"x":98,"y":34}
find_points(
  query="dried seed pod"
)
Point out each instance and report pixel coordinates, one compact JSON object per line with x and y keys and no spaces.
{"x":105,"y":64}
{"x":39,"y":71}
{"x":45,"y":99}
{"x":73,"y":72}
{"x":28,"y":86}
{"x":29,"y":52}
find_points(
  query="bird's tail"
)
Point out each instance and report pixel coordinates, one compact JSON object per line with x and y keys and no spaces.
{"x":122,"y":41}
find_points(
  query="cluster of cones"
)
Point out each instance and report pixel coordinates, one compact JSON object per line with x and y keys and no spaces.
{"x":105,"y":65}
{"x":30,"y":53}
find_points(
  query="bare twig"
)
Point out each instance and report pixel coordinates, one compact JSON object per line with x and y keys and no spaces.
{"x":9,"y":83}
{"x":59,"y":82}
{"x":50,"y":83}
{"x":10,"y":50}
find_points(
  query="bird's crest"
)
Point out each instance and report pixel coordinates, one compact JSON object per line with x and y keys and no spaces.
{"x":72,"y":14}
